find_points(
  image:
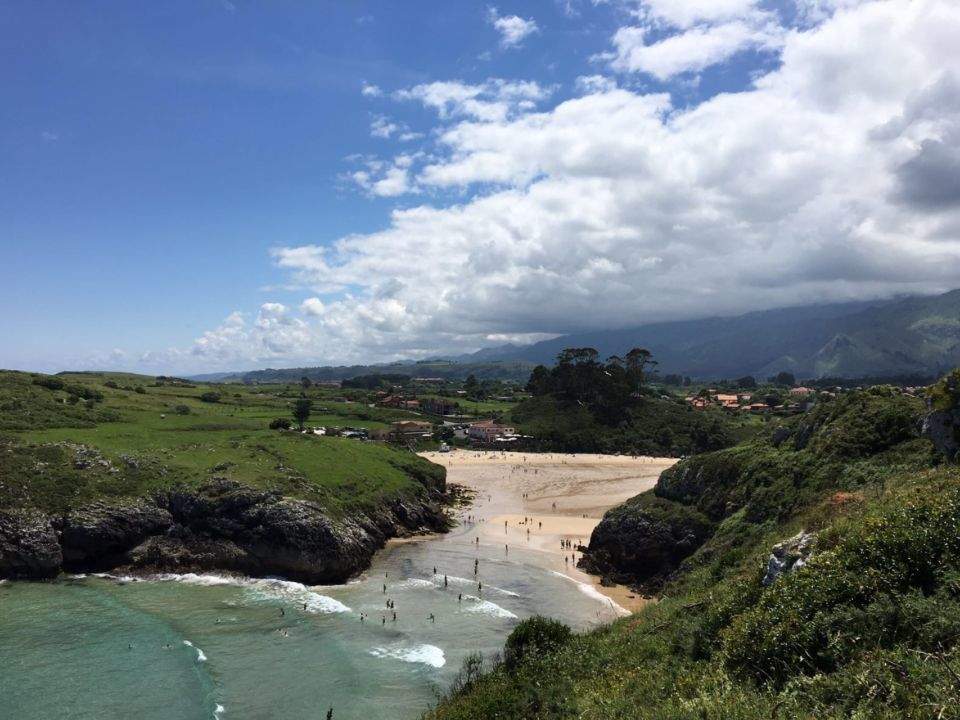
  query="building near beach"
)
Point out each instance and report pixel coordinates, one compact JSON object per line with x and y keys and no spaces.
{"x":486,"y":431}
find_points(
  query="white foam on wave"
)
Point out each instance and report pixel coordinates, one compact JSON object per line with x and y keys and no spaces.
{"x":466,"y":581}
{"x":218,"y":711}
{"x":416,"y":583}
{"x":590,"y":591}
{"x":201,"y":657}
{"x":263,"y":589}
{"x":423,"y":654}
{"x":486,"y":607}
{"x":121,"y":579}
{"x":208,"y":580}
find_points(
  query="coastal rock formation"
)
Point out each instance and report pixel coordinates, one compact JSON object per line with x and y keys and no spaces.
{"x":644,"y":540}
{"x":789,"y":555}
{"x":28,"y":545}
{"x":222,"y":525}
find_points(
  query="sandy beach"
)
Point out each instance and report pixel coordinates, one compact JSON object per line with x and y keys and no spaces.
{"x":537,"y":501}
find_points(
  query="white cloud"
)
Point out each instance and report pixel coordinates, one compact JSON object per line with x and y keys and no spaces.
{"x":513,"y":29}
{"x":495,"y":99}
{"x":831,"y":178}
{"x":383,"y":127}
{"x":673,"y":37}
{"x":370,"y":90}
{"x":686,"y":13}
{"x":589,"y":84}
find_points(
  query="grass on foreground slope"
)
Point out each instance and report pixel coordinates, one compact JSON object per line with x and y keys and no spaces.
{"x":56,"y":452}
{"x":869,"y":628}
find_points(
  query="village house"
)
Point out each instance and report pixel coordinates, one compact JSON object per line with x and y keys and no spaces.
{"x":486,"y":431}
{"x":404,"y":429}
{"x":729,"y":402}
{"x":801,"y":391}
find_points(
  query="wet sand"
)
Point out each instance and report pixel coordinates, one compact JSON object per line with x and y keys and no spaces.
{"x":535,"y":501}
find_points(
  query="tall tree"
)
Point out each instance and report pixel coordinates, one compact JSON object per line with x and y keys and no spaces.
{"x":301,"y":411}
{"x":638,"y":359}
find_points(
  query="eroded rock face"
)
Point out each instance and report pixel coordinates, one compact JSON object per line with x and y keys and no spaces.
{"x":788,"y":556}
{"x":28,"y":545}
{"x":941,"y":428}
{"x":99,"y":535}
{"x":644,"y":540}
{"x":222,"y":526}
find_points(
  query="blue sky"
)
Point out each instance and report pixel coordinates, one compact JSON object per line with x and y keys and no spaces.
{"x":164,"y":166}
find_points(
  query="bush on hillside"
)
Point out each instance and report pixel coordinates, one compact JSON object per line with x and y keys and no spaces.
{"x":533,"y":637}
{"x":182,"y":409}
{"x":892,"y":579}
{"x":280,"y":424}
{"x":210,"y":397}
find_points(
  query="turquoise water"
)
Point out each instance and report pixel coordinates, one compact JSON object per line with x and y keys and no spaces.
{"x":185,"y":647}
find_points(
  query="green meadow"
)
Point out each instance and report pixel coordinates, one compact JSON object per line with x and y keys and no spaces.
{"x":143,"y":436}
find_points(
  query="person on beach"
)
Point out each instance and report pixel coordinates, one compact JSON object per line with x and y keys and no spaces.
{"x":459,"y":597}
{"x":432,"y":618}
{"x":282,"y":612}
{"x":476,"y":566}
{"x":394,"y":616}
{"x":304,"y":606}
{"x":480,"y":587}
{"x":383,"y":619}
{"x":330,"y":714}
{"x":445,"y":582}
{"x":384,"y":588}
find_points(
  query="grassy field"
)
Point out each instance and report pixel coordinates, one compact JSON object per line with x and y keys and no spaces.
{"x":145,"y":436}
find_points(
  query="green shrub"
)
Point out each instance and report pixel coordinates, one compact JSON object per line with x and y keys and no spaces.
{"x":51,"y":383}
{"x":210,"y":397}
{"x":280,"y":424}
{"x":182,"y":409}
{"x":533,"y":637}
{"x":883,"y":583}
{"x":140,"y":390}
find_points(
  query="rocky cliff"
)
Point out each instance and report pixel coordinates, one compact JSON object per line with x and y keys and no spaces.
{"x":222,"y":525}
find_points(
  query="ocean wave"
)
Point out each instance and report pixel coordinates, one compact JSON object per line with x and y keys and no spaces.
{"x":416,"y":583}
{"x":423,"y":654}
{"x":454,"y":580}
{"x":119,"y":579}
{"x":201,"y":657}
{"x":486,"y":607}
{"x":218,"y":711}
{"x":269,"y":589}
{"x":590,"y":591}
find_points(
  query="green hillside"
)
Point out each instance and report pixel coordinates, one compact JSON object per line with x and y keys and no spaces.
{"x":866,"y":626}
{"x":76,"y":437}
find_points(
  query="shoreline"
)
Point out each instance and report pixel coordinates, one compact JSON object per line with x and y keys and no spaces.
{"x":533,"y":501}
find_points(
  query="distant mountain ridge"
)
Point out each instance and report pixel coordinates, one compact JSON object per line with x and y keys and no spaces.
{"x":917,"y":335}
{"x":907,"y":336}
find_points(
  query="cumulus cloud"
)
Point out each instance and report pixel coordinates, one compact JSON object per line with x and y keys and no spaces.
{"x":672,"y":37}
{"x":690,"y":51}
{"x":495,"y":99}
{"x":832,"y":177}
{"x":513,"y":29}
{"x":370,"y":90}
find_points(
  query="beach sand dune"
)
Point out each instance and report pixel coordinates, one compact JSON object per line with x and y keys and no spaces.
{"x":536,"y":501}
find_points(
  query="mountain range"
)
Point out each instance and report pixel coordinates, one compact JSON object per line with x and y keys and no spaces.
{"x":907,"y":336}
